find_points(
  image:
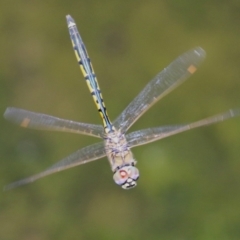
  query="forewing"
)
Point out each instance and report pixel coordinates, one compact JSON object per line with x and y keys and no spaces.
{"x":41,"y":121}
{"x":82,"y":156}
{"x":178,"y":71}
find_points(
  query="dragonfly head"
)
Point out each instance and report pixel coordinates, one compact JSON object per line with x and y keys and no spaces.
{"x":126,"y":177}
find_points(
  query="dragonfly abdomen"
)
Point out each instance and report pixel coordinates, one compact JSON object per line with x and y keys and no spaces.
{"x":88,"y":73}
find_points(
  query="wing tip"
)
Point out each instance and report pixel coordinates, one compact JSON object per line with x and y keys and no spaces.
{"x":200,"y":52}
{"x":7,"y":113}
{"x":10,"y":187}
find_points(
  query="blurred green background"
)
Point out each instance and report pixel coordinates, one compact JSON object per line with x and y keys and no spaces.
{"x":190,"y":183}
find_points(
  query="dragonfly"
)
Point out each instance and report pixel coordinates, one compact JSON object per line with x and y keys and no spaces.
{"x":115,"y":144}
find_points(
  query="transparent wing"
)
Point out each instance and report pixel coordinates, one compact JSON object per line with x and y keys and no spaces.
{"x":161,"y":85}
{"x":153,"y":134}
{"x":41,"y":121}
{"x":82,"y":156}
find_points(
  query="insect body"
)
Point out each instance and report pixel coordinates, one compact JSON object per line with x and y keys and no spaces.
{"x":117,"y":150}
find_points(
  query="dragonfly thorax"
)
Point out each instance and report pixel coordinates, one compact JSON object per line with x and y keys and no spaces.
{"x":118,"y":151}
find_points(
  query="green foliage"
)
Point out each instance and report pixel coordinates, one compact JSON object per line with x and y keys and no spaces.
{"x":189,"y":184}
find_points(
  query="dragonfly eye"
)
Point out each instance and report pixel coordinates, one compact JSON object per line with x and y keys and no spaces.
{"x":126,"y":177}
{"x":134,"y":174}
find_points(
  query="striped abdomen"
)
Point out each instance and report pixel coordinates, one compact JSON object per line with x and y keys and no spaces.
{"x":88,"y":73}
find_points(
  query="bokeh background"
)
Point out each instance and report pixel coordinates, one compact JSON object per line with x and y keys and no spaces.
{"x":190,"y":183}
